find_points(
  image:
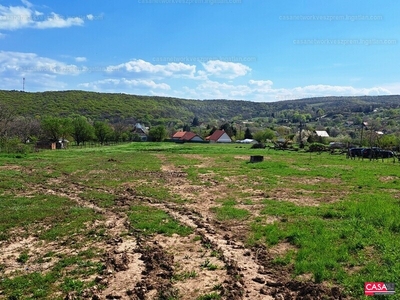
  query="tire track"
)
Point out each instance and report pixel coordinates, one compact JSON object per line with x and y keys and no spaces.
{"x":247,"y":278}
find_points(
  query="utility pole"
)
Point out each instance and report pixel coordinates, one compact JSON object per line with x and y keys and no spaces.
{"x":23,"y":84}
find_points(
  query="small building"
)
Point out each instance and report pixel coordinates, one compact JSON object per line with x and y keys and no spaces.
{"x":219,"y":136}
{"x":186,"y":136}
{"x":321,"y":133}
{"x":51,"y":144}
{"x":140,"y":131}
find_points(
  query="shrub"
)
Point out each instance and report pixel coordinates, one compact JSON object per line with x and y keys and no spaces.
{"x":317,"y":147}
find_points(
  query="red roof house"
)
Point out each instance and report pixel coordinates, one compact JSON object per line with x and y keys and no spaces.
{"x":186,"y":136}
{"x":219,"y":136}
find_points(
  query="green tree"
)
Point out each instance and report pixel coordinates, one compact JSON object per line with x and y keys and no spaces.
{"x":283,"y":130}
{"x":357,"y":120}
{"x":229,"y":129}
{"x":320,"y":112}
{"x":195,"y":122}
{"x":55,"y":128}
{"x":212,"y":130}
{"x":247,"y":134}
{"x":263,"y":135}
{"x":158,"y":133}
{"x":389,"y":141}
{"x":82,"y":130}
{"x":103,"y":131}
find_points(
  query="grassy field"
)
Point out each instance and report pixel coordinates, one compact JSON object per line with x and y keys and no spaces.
{"x":336,"y":221}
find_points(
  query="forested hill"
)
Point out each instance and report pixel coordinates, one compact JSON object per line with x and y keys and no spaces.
{"x":153,"y":110}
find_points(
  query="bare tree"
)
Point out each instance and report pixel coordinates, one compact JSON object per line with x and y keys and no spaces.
{"x":25,"y":128}
{"x":6,"y":116}
{"x":119,"y":129}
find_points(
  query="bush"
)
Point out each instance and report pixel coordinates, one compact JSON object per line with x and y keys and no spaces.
{"x":13,"y":145}
{"x":317,"y":147}
{"x":258,"y":146}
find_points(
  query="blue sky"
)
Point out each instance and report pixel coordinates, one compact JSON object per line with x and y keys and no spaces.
{"x":202,"y":49}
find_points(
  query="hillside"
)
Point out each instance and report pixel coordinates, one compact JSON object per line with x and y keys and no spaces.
{"x":156,"y":110}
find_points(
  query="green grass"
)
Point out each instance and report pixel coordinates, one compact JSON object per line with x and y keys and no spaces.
{"x":42,"y":286}
{"x":23,"y":257}
{"x":73,"y":223}
{"x":26,"y":212}
{"x":184,"y":275}
{"x":332,"y":239}
{"x":151,"y":220}
{"x":31,"y":286}
{"x":99,"y":198}
{"x":210,"y":296}
{"x":228,"y":211}
{"x":208,"y":265}
{"x":157,"y":194}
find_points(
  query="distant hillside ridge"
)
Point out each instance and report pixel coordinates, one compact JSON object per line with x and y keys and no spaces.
{"x":158,"y":110}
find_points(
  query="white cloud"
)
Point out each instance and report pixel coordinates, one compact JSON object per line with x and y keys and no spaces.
{"x":33,"y":83}
{"x":27,"y":3}
{"x":80,"y":59}
{"x":118,"y":84}
{"x":261,"y":86}
{"x":20,"y":64}
{"x":224,"y":69}
{"x":90,"y":17}
{"x":17,"y":17}
{"x":144,"y":68}
{"x":56,"y":21}
{"x":217,"y":90}
{"x":394,"y":88}
{"x":261,"y":83}
{"x":339,"y":90}
{"x":142,"y":77}
{"x":262,"y":91}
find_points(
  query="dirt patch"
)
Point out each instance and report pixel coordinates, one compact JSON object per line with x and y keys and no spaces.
{"x":205,"y":162}
{"x":281,"y":249}
{"x":194,"y":264}
{"x":314,"y":180}
{"x":303,"y":197}
{"x":11,"y":168}
{"x":156,"y":277}
{"x":388,"y":178}
{"x":298,"y":197}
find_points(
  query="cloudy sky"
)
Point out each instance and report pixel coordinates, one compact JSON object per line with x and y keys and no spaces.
{"x":202,"y":49}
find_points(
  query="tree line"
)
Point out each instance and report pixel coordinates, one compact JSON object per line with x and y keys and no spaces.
{"x":17,"y":133}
